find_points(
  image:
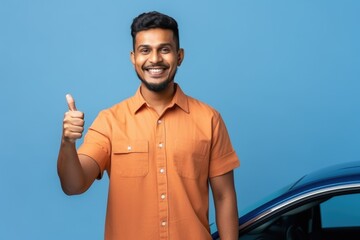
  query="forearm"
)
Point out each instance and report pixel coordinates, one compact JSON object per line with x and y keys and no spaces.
{"x":227,"y":218}
{"x":69,"y":169}
{"x":225,"y":206}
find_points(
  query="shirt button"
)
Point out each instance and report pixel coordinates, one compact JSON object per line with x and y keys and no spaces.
{"x":159,"y":121}
{"x":161,"y":145}
{"x":163,"y":223}
{"x":163,"y":196}
{"x":162,"y":170}
{"x":129,"y":148}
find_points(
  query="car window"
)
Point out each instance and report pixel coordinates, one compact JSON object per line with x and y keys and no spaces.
{"x":341,"y":211}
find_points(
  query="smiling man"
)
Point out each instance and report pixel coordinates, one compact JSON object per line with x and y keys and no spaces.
{"x":156,"y":57}
{"x":160,"y":149}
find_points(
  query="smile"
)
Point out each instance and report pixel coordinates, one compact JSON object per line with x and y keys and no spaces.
{"x":156,"y":70}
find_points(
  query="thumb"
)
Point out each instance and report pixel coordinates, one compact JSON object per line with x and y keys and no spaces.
{"x":71,"y":102}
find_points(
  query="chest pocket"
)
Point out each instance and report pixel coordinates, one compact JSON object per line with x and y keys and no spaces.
{"x":130,"y":158}
{"x":191,"y":157}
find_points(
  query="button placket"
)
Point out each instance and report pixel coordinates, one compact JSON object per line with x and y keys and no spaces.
{"x":162,"y":178}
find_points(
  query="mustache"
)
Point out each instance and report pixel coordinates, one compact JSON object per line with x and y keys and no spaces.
{"x":161,"y":65}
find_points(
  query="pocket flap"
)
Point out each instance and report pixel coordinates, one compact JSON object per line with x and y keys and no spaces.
{"x":130,"y":146}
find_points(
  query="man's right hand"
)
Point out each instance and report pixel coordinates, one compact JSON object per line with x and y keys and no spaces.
{"x":76,"y":171}
{"x":73,"y":123}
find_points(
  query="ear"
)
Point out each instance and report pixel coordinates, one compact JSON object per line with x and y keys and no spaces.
{"x":181,"y":54}
{"x":132,"y":57}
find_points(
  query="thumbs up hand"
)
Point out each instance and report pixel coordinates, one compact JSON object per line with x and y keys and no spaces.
{"x":73,"y":123}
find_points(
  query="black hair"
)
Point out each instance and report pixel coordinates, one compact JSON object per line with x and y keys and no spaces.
{"x":152,"y":20}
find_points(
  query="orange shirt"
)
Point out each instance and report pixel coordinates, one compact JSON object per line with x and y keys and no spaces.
{"x":159,"y":166}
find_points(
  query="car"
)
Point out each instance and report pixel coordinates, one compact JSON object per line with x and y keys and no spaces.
{"x":324,"y":204}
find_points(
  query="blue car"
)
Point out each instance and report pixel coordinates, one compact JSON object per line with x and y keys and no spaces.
{"x":322,"y":205}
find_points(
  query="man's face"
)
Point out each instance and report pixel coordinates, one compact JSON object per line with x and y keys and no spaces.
{"x":156,"y":58}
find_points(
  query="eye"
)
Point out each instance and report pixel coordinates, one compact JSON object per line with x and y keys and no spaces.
{"x":144,"y":51}
{"x":165,"y":50}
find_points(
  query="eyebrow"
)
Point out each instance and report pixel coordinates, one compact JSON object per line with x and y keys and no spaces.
{"x":159,"y":46}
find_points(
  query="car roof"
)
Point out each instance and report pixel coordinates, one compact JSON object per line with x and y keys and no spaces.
{"x":343,"y":173}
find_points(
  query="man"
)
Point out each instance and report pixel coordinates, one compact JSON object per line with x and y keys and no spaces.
{"x":160,"y":149}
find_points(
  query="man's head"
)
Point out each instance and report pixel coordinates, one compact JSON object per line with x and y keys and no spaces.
{"x":151,"y":20}
{"x":156,"y":53}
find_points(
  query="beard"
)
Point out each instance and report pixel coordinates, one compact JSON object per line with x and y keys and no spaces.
{"x":157,"y":87}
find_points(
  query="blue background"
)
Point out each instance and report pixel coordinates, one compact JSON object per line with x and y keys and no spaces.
{"x":284,"y":75}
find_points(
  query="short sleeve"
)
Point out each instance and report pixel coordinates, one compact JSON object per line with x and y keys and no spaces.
{"x":223,"y":157}
{"x":97,"y":143}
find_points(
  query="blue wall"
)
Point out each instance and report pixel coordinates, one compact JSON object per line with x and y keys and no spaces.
{"x":284,"y":74}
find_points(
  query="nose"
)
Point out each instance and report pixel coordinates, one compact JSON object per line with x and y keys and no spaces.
{"x":155,"y":57}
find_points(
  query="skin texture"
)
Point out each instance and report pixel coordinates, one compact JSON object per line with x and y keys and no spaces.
{"x":155,"y":59}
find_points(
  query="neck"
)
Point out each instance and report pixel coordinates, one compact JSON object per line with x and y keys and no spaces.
{"x":158,"y":100}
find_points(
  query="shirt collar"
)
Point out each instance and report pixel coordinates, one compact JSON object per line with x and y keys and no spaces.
{"x":179,"y":99}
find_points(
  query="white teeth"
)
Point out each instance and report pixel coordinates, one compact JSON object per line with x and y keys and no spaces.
{"x":156,"y":70}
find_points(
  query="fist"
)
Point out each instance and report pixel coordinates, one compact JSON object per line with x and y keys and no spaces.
{"x":73,"y":123}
